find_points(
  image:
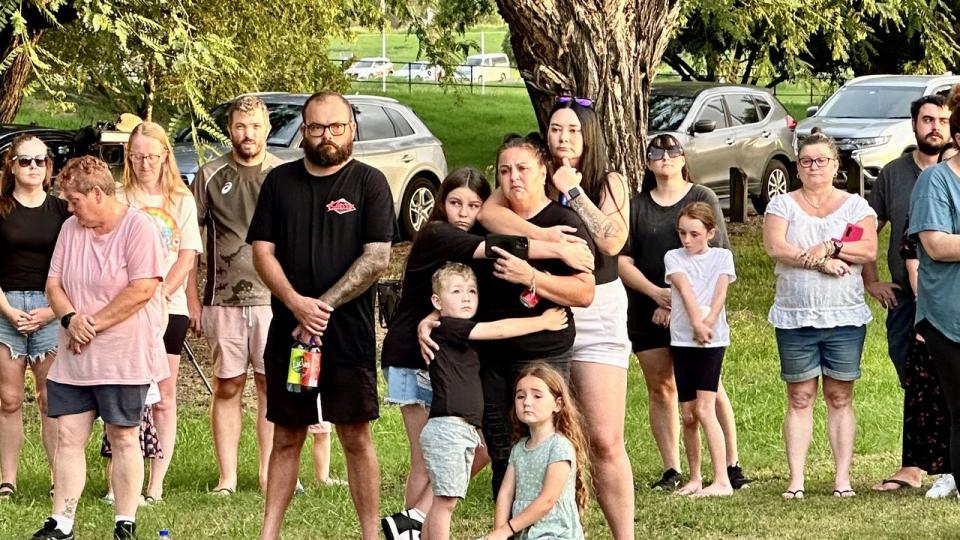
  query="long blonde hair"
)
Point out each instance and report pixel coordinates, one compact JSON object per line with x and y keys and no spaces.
{"x":567,"y":422}
{"x":171,"y":184}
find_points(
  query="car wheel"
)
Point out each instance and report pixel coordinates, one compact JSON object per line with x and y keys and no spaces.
{"x":417,"y":205}
{"x":776,"y":181}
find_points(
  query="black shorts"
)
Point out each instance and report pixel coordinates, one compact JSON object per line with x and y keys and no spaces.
{"x":643,"y":333}
{"x":696,"y":368}
{"x":348,"y":395}
{"x":173,"y":338}
{"x":118,"y":404}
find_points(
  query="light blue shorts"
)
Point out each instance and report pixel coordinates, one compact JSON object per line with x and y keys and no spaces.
{"x":407,"y":386}
{"x":807,"y":353}
{"x":449,"y":444}
{"x":37,"y":344}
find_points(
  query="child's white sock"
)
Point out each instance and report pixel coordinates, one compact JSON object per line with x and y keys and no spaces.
{"x":64,"y":523}
{"x":417,"y":514}
{"x":118,"y":519}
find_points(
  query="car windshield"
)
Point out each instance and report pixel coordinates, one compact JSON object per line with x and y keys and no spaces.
{"x":285,"y":120}
{"x":667,"y":111}
{"x":362,"y":64}
{"x":875,"y":102}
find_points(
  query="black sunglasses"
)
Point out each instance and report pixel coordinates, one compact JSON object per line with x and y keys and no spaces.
{"x":26,"y":161}
{"x":581,"y":101}
{"x":655,"y":153}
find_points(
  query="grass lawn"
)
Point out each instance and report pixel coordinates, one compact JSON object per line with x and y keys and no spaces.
{"x":751,"y":377}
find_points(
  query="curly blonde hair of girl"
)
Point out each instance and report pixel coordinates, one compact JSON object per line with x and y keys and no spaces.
{"x":567,"y":422}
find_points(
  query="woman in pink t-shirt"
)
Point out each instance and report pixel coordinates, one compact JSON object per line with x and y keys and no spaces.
{"x":151,"y":182}
{"x":103,"y":284}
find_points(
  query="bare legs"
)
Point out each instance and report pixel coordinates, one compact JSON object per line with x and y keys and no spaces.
{"x":417,"y":493}
{"x":12,"y":378}
{"x":601,"y":393}
{"x":282,"y":478}
{"x":165,"y":418}
{"x":226,"y":423}
{"x":657,"y":367}
{"x":703,"y":412}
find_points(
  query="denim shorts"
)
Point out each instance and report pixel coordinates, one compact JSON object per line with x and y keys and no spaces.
{"x":807,"y":353}
{"x":407,"y":386}
{"x":449,"y":444}
{"x":37,"y":344}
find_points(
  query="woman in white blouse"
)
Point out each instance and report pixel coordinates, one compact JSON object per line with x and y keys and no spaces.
{"x":819,"y":237}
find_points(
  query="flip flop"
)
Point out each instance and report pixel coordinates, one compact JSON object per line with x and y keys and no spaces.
{"x":7,"y":491}
{"x":223,"y":492}
{"x":844,"y":493}
{"x":901,"y":484}
{"x":791,"y":495}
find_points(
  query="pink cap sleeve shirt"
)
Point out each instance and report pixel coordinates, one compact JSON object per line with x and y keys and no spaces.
{"x":93,"y":269}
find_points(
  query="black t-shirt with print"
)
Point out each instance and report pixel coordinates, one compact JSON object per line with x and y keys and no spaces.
{"x":436,"y":244}
{"x":455,"y":372}
{"x":500,"y":299}
{"x":27,"y":238}
{"x":319,"y":225}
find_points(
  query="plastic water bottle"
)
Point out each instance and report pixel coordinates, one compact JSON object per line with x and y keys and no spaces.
{"x":164,"y":534}
{"x":310,"y":373}
{"x":295,"y":368}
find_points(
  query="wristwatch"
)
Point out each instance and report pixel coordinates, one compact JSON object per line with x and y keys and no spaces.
{"x":573,"y":193}
{"x":837,"y":246}
{"x":65,"y":320}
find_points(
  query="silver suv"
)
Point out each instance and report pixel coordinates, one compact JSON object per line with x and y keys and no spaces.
{"x":722,"y":126}
{"x":870,"y":117}
{"x":389,"y":137}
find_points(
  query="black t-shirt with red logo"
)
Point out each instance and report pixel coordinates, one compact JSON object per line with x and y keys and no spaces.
{"x":319,"y":225}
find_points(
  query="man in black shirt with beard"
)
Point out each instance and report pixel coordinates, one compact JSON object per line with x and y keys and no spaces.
{"x":321,"y":237}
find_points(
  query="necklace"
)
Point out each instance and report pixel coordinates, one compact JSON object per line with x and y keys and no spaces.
{"x":815,"y":206}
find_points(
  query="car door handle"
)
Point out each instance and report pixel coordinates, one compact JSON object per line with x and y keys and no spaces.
{"x":407,"y":158}
{"x":765,"y":133}
{"x":730,"y":141}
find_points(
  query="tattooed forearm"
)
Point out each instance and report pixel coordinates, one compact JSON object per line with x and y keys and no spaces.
{"x":70,"y":508}
{"x":601,"y":227}
{"x":364,"y":272}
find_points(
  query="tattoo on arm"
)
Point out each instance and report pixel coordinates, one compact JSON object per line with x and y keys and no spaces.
{"x":599,"y":225}
{"x":364,"y":272}
{"x":70,"y":510}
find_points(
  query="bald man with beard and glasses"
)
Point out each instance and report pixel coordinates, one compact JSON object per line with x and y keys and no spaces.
{"x":890,"y":198}
{"x":235,"y":313}
{"x":321,"y":237}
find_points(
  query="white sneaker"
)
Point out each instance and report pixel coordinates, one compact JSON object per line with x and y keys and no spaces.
{"x":945,"y":486}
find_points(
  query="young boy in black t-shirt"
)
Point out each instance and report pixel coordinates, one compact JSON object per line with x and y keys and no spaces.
{"x":450,"y":437}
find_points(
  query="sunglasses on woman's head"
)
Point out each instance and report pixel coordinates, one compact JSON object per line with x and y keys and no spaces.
{"x":581,"y":101}
{"x":26,"y":161}
{"x":656,"y":153}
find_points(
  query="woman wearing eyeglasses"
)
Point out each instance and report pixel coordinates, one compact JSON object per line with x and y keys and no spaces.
{"x":30,"y":222}
{"x":151,"y":182}
{"x":819,"y":237}
{"x":666,"y":189}
{"x":582,"y":180}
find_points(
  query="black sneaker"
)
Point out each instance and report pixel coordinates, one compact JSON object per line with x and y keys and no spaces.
{"x":668,"y":482}
{"x":399,"y":523}
{"x":737,"y":479}
{"x":51,"y":532}
{"x":125,"y":530}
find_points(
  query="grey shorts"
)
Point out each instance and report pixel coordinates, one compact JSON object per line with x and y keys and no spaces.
{"x":117,"y":404}
{"x":449,"y":443}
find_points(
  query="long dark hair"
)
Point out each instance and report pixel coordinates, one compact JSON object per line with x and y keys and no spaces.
{"x":664,"y":141}
{"x":467,"y":177}
{"x":8,"y":181}
{"x":594,"y":165}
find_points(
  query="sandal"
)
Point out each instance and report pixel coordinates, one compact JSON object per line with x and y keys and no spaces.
{"x":791,"y":495}
{"x":901,"y":484}
{"x":7,"y":491}
{"x":223,"y":492}
{"x":844,"y":493}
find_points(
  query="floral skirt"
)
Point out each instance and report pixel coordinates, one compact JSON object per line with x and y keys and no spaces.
{"x":926,"y":419}
{"x":149,"y":438}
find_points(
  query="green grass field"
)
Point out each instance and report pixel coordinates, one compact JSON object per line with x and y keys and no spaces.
{"x":750,"y":375}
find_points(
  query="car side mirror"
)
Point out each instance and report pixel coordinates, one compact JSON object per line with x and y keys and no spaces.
{"x":704,"y":126}
{"x":812,"y":110}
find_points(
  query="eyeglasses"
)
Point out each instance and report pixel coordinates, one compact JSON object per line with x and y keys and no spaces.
{"x":336,"y":129}
{"x":581,"y":101}
{"x":656,"y":153}
{"x":152,"y":159}
{"x":26,"y":161}
{"x":821,"y":162}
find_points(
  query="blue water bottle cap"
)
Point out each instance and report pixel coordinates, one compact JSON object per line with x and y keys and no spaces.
{"x":164,"y":533}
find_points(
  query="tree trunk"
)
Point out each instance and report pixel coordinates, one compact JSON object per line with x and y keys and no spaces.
{"x":13,"y":80}
{"x":605,"y":50}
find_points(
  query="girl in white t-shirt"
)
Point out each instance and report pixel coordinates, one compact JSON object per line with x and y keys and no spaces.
{"x":698,"y":276}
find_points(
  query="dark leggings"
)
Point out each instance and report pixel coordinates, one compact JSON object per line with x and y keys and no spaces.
{"x":945,"y":355}
{"x":499,"y":378}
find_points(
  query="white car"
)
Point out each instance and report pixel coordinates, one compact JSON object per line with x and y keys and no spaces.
{"x":370,"y":68}
{"x":484,"y":68}
{"x":419,"y":71}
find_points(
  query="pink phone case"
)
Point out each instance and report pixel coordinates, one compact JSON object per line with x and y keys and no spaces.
{"x":852,"y":233}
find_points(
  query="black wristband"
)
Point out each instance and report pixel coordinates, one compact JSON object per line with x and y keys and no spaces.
{"x":65,"y":320}
{"x":837,"y":246}
{"x":514,"y":531}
